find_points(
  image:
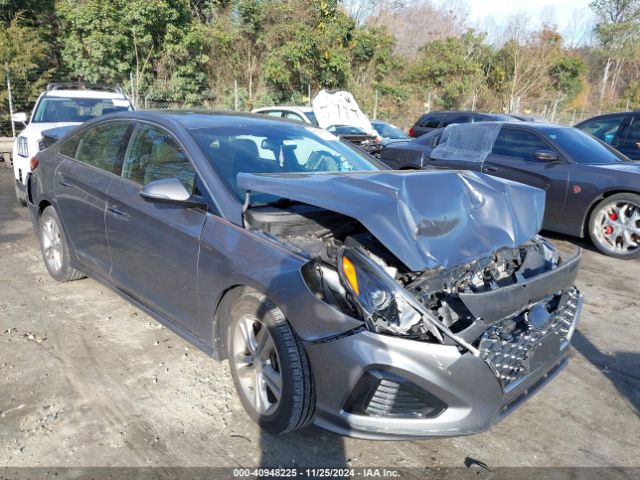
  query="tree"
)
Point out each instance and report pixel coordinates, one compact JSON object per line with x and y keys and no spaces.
{"x":146,"y":45}
{"x":618,"y":32}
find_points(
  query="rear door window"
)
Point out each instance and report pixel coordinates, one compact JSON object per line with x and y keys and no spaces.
{"x":293,"y":116}
{"x":102,"y":146}
{"x":429,"y":121}
{"x":70,"y":146}
{"x":518,"y":144}
{"x":457,"y":119}
{"x":604,"y":128}
{"x":632,"y":136}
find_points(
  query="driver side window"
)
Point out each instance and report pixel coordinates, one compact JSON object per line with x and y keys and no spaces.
{"x":153,"y":154}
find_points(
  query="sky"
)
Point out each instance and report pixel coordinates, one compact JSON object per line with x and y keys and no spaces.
{"x":570,"y":16}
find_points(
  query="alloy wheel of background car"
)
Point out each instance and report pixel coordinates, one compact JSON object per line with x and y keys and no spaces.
{"x":615,"y":226}
{"x":257,"y":364}
{"x":55,"y":250}
{"x":268,"y":364}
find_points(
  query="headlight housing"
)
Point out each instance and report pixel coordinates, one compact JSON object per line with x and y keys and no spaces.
{"x":382,"y":301}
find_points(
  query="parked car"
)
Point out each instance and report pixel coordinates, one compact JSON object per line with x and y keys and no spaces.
{"x":387,"y":135}
{"x":591,"y":188}
{"x":297,"y":114}
{"x":327,"y":109}
{"x":434,"y":120}
{"x":369,"y":301}
{"x":60,"y":104}
{"x":356,"y":136}
{"x":620,"y":130}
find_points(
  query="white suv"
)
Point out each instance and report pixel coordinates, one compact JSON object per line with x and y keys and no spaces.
{"x":61,"y":104}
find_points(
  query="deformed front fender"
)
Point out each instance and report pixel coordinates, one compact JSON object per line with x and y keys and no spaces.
{"x":231,"y":256}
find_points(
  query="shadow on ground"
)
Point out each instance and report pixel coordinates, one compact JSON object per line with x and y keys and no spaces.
{"x":621,"y":368}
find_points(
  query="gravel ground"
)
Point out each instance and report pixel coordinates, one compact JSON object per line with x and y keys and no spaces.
{"x":88,"y":380}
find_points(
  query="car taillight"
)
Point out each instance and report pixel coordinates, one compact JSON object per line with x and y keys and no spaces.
{"x":34,"y":163}
{"x":411,"y":132}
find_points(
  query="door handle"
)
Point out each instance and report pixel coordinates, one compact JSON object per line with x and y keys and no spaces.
{"x":490,"y":169}
{"x":64,"y":183}
{"x":116,"y":211}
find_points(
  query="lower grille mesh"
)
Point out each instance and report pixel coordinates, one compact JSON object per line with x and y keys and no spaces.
{"x":507,"y":346}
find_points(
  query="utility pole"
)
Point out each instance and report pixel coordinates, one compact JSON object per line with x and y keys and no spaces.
{"x":309,"y":92}
{"x":235,"y":95}
{"x":428,"y":103}
{"x":375,"y":105}
{"x":10,"y":94}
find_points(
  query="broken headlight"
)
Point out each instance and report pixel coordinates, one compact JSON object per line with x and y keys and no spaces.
{"x":383,"y":303}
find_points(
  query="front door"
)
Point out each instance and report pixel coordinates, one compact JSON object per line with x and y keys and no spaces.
{"x":513,"y":158}
{"x":154,"y":247}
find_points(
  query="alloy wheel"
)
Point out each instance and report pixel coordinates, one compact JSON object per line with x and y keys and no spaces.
{"x":257,"y":365}
{"x":52,"y":244}
{"x":617,"y":227}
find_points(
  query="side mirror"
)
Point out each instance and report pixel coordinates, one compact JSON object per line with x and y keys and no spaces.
{"x":19,"y":117}
{"x":546,"y":156}
{"x":170,"y":190}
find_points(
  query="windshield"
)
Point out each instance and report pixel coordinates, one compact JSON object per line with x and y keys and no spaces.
{"x":277,"y":148}
{"x":346,"y":130}
{"x":584,"y":148}
{"x":386,"y":130}
{"x":66,"y":109}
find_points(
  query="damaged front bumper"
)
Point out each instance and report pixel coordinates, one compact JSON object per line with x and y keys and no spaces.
{"x":383,"y":386}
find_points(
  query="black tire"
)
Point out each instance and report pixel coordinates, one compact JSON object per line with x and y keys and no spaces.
{"x":596,"y":225}
{"x":21,"y":196}
{"x":61,"y":270}
{"x":296,"y":405}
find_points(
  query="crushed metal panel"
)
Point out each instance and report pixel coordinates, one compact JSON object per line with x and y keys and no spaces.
{"x":435,"y":219}
{"x":469,"y":141}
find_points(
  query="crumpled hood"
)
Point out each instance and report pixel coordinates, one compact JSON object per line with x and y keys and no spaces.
{"x":436,"y":219}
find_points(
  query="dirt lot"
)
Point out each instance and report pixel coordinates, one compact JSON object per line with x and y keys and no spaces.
{"x":88,"y":380}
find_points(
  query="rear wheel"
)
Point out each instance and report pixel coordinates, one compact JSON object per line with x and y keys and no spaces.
{"x":614,"y":226}
{"x":54,"y":246}
{"x":269,"y":366}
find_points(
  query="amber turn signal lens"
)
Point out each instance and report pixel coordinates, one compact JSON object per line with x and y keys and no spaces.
{"x":350,"y":273}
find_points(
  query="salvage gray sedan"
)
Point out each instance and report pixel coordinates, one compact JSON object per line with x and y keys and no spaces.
{"x":374,"y":303}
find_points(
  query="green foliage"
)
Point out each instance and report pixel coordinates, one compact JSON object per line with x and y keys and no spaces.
{"x":567,"y":76}
{"x":452,"y":68}
{"x":24,"y":57}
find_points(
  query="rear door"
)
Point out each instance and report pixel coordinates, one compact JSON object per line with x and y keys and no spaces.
{"x":81,"y":182}
{"x":513,"y":158}
{"x":154,"y":247}
{"x":629,"y":144}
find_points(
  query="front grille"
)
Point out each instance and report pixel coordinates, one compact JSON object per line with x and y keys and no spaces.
{"x":519,"y":345}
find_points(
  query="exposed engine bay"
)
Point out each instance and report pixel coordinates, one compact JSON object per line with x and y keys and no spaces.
{"x":353,"y":271}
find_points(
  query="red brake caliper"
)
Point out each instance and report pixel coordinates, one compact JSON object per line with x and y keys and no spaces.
{"x":608,"y":230}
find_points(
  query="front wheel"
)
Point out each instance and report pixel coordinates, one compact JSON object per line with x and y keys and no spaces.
{"x":269,"y":366}
{"x":55,"y":250}
{"x":614,"y":226}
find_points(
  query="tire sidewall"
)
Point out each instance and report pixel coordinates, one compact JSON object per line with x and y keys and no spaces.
{"x":65,"y":272}
{"x":279,"y":420}
{"x":620,"y":197}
